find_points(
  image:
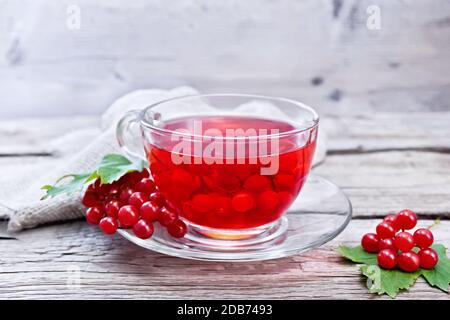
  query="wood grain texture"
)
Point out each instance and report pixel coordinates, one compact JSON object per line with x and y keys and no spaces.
{"x":320,"y":52}
{"x":41,"y":263}
{"x":384,"y":162}
{"x":33,"y":137}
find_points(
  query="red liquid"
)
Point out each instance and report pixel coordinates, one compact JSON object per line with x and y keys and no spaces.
{"x":231,"y":196}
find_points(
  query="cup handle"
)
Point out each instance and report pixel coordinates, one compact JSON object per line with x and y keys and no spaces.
{"x":124,"y":134}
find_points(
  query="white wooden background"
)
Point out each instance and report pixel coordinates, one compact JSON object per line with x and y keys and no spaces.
{"x":319,"y":51}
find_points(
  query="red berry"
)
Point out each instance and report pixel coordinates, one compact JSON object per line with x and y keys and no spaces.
{"x":114,"y":190}
{"x":406,"y":219}
{"x":385,"y":230}
{"x":242,"y":202}
{"x":133,"y":177}
{"x":137,"y":199}
{"x":90,"y":199}
{"x":423,"y":238}
{"x":112,"y":208}
{"x":94,"y":215}
{"x":404,"y":241}
{"x":387,"y":244}
{"x":145,"y":173}
{"x":257,"y":183}
{"x":108,"y":225}
{"x":128,"y":216}
{"x":177,"y":229}
{"x":166,"y":217}
{"x":157,"y":198}
{"x":387,"y":258}
{"x":428,"y":258}
{"x":149,"y":211}
{"x":408,"y":261}
{"x":268,"y":200}
{"x":143,"y":229}
{"x":146,"y":186}
{"x":103,"y":189}
{"x":203,"y":203}
{"x":125,"y":194}
{"x":370,"y":242}
{"x":392,"y":219}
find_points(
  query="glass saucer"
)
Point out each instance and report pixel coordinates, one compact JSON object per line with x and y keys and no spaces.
{"x":318,"y":215}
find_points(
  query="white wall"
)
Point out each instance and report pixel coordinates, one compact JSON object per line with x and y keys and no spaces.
{"x":256,"y":46}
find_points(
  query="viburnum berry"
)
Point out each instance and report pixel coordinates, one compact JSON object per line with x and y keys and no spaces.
{"x":108,"y":225}
{"x":146,"y":186}
{"x":94,"y":214}
{"x":143,"y":229}
{"x":387,"y":243}
{"x":102,"y":189}
{"x":268,"y":200}
{"x":90,"y":199}
{"x":385,"y":230}
{"x":404,"y":241}
{"x":370,"y":242}
{"x":114,"y":191}
{"x":387,"y":258}
{"x":428,"y":258}
{"x":242,"y":202}
{"x":135,"y":176}
{"x":257,"y":183}
{"x":150,"y":211}
{"x":137,"y":199}
{"x":125,"y":194}
{"x":408,"y":261}
{"x":203,"y":203}
{"x":112,"y":208}
{"x":406,"y":219}
{"x":177,"y":229}
{"x":157,"y":198}
{"x":167,"y":216}
{"x":423,"y":238}
{"x":392,"y":219}
{"x":128,"y":216}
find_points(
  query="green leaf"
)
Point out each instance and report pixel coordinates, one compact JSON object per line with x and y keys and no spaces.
{"x":114,"y":166}
{"x":76,"y":183}
{"x":388,"y":282}
{"x":111,"y":168}
{"x":439,"y":276}
{"x":357,"y":255}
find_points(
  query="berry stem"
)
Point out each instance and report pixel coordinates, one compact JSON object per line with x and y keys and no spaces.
{"x":435,"y":224}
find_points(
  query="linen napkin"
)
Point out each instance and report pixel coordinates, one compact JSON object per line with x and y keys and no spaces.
{"x":75,"y":152}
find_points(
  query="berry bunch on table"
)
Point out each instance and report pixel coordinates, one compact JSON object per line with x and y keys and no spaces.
{"x":132,"y":202}
{"x":397,"y":247}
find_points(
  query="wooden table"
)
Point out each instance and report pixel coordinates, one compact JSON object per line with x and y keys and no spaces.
{"x":383,"y":161}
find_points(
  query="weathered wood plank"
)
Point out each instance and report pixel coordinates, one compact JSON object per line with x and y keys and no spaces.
{"x":40,"y":263}
{"x":34,"y":136}
{"x":349,"y":133}
{"x":352,"y":133}
{"x":378,"y":183}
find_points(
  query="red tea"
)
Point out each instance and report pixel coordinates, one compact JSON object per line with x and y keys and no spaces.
{"x":231,"y":190}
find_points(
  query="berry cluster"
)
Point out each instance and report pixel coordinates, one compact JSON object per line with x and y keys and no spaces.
{"x":132,"y":202}
{"x":395,"y":246}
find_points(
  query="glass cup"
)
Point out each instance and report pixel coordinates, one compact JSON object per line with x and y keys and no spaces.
{"x":229,"y":164}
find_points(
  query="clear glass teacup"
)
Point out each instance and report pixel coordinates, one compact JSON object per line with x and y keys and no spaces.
{"x":229,"y":164}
